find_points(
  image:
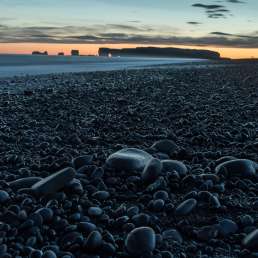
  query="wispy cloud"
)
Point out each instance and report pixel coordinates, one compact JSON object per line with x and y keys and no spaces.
{"x":194,"y":23}
{"x":218,"y":33}
{"x":117,"y":33}
{"x":235,"y":1}
{"x":213,"y":11}
{"x":216,"y":11}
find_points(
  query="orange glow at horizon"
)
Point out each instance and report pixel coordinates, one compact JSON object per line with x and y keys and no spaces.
{"x":92,"y":49}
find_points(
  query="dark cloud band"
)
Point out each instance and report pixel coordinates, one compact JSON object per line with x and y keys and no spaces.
{"x":129,"y":34}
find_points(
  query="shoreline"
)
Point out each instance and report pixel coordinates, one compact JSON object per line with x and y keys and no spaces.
{"x":39,"y":65}
{"x":4,"y":81}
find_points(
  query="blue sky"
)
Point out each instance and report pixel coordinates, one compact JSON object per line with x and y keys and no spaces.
{"x":224,"y":23}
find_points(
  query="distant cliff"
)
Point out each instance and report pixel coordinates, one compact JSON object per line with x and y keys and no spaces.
{"x":45,"y":53}
{"x":160,"y":52}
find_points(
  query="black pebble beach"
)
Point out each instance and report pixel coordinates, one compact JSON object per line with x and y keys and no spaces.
{"x":154,"y":163}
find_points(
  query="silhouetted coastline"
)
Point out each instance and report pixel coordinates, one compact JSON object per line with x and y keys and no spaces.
{"x":45,"y":53}
{"x":160,"y":52}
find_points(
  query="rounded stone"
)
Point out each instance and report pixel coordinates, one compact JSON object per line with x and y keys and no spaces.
{"x":128,"y":159}
{"x":54,"y":182}
{"x":224,"y":159}
{"x":140,"y":241}
{"x":172,"y":234}
{"x":167,"y":254}
{"x":165,"y":146}
{"x":81,"y":161}
{"x":238,"y":167}
{"x":36,"y":254}
{"x":49,"y":254}
{"x":95,"y":211}
{"x":171,"y":165}
{"x":93,"y":242}
{"x":24,"y":182}
{"x":132,"y":211}
{"x":152,"y":170}
{"x":101,"y":195}
{"x":158,"y":205}
{"x":251,"y":240}
{"x":46,"y":213}
{"x":207,"y":233}
{"x":185,"y":207}
{"x":246,"y":220}
{"x":4,"y":197}
{"x":141,"y":219}
{"x":87,"y":227}
{"x":161,"y":194}
{"x":227,"y":227}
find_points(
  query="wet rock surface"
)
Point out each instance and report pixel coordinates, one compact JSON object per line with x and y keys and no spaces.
{"x":150,"y":163}
{"x":128,"y":159}
{"x":140,"y":241}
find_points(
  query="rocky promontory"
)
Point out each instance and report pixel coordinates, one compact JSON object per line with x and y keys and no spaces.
{"x":160,"y":52}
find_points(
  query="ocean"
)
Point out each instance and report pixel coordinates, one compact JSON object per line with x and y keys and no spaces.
{"x":21,"y":65}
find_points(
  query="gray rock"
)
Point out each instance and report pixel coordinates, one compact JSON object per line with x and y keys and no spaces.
{"x":171,"y":165}
{"x":207,"y":233}
{"x":140,"y":241}
{"x":26,"y":182}
{"x":246,"y":220}
{"x":132,"y":211}
{"x":87,"y":227}
{"x":49,"y":254}
{"x":46,"y":213}
{"x":172,"y":234}
{"x":224,"y":159}
{"x":95,"y":211}
{"x":161,"y":194}
{"x":93,"y":241}
{"x":101,"y":195}
{"x":4,"y":197}
{"x":152,"y":170}
{"x":81,"y":161}
{"x":128,"y":159}
{"x":54,"y":183}
{"x":185,"y":207}
{"x":227,"y":227}
{"x":251,"y":240}
{"x":237,"y":168}
{"x":165,"y":146}
{"x":214,"y":202}
{"x":158,"y":205}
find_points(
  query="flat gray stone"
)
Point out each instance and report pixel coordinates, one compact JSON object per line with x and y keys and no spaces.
{"x":4,"y":197}
{"x":152,"y":170}
{"x":237,"y":168}
{"x":227,"y":227}
{"x":207,"y":233}
{"x":165,"y":146}
{"x":24,"y":182}
{"x":171,"y":165}
{"x":53,"y":183}
{"x":185,"y":207}
{"x":81,"y":161}
{"x":172,"y":234}
{"x":251,"y":240}
{"x":140,"y":241}
{"x":128,"y":159}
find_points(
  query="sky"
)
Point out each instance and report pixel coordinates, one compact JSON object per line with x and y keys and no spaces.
{"x":227,"y":26}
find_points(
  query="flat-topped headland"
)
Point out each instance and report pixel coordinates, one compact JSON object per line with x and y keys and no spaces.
{"x":160,"y":52}
{"x":154,"y":163}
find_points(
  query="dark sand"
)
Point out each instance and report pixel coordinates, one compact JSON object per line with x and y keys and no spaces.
{"x":209,"y":113}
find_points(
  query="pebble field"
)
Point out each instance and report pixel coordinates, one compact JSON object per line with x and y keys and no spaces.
{"x":150,"y":163}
